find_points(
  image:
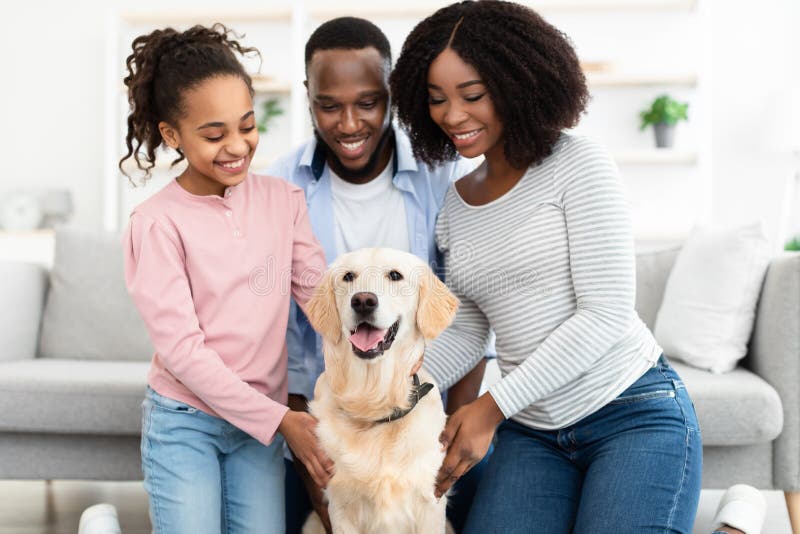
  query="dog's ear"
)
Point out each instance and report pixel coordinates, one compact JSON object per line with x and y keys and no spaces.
{"x":437,"y":305}
{"x":321,"y":310}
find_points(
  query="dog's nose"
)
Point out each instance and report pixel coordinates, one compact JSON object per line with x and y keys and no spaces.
{"x":364,"y":302}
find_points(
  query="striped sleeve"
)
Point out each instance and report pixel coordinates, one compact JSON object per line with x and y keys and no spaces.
{"x":461,"y":346}
{"x":602,"y":268}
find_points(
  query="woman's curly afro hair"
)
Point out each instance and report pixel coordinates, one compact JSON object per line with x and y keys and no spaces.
{"x":529,"y":67}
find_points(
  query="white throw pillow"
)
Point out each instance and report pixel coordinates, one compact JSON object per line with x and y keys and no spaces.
{"x":709,"y":304}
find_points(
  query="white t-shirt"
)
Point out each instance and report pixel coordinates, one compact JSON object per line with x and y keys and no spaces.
{"x":369,"y":215}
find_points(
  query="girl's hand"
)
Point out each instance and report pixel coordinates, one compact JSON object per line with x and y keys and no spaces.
{"x":467,"y":437}
{"x":298,"y":429}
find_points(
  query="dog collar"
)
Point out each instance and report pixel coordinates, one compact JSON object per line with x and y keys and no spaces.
{"x":417,"y":392}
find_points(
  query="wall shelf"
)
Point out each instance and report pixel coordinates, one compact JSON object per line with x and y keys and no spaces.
{"x":620,"y":79}
{"x":421,"y":10}
{"x":656,"y":156}
{"x":31,"y":246}
{"x":260,"y":86}
{"x":206,"y":16}
{"x":268,"y":86}
{"x":323,"y":11}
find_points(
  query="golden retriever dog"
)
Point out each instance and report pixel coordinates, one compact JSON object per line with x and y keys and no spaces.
{"x":375,"y":310}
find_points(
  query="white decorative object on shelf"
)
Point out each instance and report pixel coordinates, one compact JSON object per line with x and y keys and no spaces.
{"x":56,"y":207}
{"x":20,"y":211}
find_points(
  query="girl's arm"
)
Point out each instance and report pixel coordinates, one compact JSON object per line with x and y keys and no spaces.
{"x":308,"y":257}
{"x":156,"y":278}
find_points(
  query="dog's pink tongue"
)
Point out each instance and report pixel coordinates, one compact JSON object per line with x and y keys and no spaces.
{"x":366,"y":337}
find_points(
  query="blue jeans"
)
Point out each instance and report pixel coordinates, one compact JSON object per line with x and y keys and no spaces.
{"x":634,"y":466}
{"x":298,"y":504}
{"x":204,"y":475}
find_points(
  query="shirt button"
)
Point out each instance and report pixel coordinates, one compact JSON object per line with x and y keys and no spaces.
{"x":237,"y":233}
{"x":229,"y":213}
{"x":228,"y":193}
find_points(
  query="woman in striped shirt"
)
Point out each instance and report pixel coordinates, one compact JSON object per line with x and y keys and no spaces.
{"x":596,"y":431}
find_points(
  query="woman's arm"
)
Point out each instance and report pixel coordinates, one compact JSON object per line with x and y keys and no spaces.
{"x":603,"y":272}
{"x":461,"y":346}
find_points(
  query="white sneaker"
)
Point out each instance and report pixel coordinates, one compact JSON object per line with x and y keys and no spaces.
{"x":99,"y":519}
{"x":742,"y":507}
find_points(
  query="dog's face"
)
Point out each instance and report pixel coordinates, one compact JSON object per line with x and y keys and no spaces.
{"x":374,"y":298}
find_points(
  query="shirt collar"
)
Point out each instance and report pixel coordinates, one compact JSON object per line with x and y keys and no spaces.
{"x":404,"y":155}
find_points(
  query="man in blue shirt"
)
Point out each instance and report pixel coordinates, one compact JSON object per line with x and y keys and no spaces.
{"x":364,"y":188}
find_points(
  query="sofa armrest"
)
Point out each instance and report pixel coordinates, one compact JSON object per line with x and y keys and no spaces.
{"x":775,"y":356}
{"x":23,"y":287}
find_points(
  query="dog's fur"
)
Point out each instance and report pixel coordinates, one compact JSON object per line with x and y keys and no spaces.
{"x":385,"y":472}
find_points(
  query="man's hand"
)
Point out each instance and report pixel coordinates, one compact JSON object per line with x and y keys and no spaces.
{"x":298,"y":429}
{"x":299,"y":403}
{"x":315,"y":495}
{"x":467,"y":437}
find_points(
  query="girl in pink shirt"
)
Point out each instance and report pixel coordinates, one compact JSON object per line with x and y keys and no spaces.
{"x":211,"y":262}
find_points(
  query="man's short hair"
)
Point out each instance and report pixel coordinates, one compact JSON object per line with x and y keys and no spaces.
{"x":348,"y":33}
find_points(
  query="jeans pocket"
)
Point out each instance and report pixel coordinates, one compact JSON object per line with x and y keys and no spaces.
{"x":639,"y":397}
{"x":686,"y":407}
{"x":170,"y":405}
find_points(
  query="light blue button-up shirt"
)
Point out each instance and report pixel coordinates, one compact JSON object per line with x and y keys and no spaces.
{"x":423,"y":192}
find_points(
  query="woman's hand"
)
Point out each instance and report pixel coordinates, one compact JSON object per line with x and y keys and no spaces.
{"x":298,"y":429}
{"x":417,"y":366}
{"x":467,"y":437}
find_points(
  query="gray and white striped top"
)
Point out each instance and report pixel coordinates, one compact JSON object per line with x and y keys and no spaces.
{"x":550,"y":267}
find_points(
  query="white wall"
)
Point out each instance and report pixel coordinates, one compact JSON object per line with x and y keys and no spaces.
{"x":51,"y":102}
{"x":756,"y":93}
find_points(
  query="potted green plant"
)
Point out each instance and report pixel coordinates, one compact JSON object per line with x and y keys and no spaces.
{"x":270,"y":110}
{"x":664,"y":113}
{"x":793,"y":244}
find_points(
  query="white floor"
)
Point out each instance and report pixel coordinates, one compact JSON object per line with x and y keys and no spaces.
{"x":34,"y":507}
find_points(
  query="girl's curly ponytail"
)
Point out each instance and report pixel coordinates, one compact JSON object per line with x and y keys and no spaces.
{"x":163,"y":64}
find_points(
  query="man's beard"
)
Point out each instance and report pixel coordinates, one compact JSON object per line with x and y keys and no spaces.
{"x":371,"y":165}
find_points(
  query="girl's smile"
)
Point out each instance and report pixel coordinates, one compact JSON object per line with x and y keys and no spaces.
{"x":217,"y":134}
{"x":235,"y":166}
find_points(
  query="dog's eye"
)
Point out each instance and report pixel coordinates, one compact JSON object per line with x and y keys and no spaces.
{"x":395,"y":276}
{"x":349,"y":276}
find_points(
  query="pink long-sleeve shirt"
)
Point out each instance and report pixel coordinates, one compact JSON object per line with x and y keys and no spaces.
{"x":212,"y":278}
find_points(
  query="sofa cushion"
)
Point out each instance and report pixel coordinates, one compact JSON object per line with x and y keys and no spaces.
{"x":734,"y":408}
{"x":22,"y":291}
{"x":89,"y":314}
{"x":72,"y":396}
{"x":709,"y":304}
{"x":652,"y":272}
